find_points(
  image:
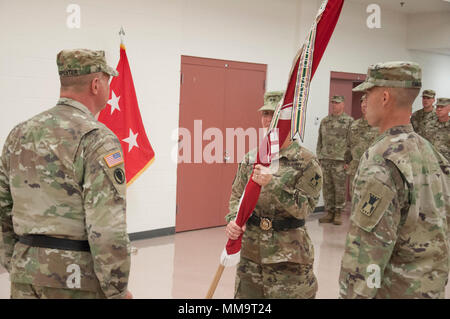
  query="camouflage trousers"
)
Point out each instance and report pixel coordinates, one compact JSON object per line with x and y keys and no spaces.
{"x":27,"y":291}
{"x":274,"y":281}
{"x":334,"y":184}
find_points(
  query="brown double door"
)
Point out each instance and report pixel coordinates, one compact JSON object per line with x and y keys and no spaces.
{"x":215,"y":95}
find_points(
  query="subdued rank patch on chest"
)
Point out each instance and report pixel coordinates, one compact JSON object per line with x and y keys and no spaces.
{"x":113,"y":159}
{"x":371,"y":202}
{"x":119,"y":175}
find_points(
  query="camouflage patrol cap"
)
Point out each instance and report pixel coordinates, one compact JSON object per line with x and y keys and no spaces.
{"x":444,"y":101}
{"x":82,"y":61}
{"x":428,"y":93}
{"x":271,"y":100}
{"x":337,"y":99}
{"x":392,"y":74}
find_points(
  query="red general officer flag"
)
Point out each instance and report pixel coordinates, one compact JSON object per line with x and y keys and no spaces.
{"x":122,"y":116}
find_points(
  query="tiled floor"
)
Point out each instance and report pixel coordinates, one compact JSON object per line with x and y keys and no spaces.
{"x":183,"y":265}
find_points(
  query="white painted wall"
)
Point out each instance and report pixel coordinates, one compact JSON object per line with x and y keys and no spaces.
{"x":435,"y":74}
{"x":436,"y":26}
{"x":158,"y":32}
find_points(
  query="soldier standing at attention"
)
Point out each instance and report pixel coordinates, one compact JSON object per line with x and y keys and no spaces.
{"x":440,"y":136}
{"x":359,"y":139}
{"x":62,"y":193}
{"x":398,"y":241}
{"x":425,"y":117}
{"x":277,"y":254}
{"x":331,"y":148}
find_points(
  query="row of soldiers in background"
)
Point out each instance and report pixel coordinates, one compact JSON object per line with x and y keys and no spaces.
{"x":342,"y":141}
{"x":434,"y":125}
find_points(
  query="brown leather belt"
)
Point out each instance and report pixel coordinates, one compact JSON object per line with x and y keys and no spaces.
{"x":276,"y":224}
{"x":54,"y":243}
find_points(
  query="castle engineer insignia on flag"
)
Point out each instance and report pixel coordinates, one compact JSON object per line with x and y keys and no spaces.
{"x":113,"y":159}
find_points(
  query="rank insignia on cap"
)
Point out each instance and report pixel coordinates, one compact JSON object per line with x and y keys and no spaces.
{"x":369,"y":206}
{"x":113,"y":159}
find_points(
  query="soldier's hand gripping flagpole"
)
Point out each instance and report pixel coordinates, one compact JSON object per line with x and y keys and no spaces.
{"x":289,"y":116}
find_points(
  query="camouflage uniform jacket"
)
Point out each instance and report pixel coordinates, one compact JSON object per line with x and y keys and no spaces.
{"x":399,"y":231}
{"x":359,"y":139}
{"x":423,"y":121}
{"x":54,"y":180}
{"x":292,"y":192}
{"x":440,"y":138}
{"x":332,"y":142}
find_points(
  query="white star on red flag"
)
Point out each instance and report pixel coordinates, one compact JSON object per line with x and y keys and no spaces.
{"x":114,"y":102}
{"x":131,"y":140}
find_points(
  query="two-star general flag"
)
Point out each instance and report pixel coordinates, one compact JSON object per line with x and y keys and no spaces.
{"x":290,"y":113}
{"x":122,"y":116}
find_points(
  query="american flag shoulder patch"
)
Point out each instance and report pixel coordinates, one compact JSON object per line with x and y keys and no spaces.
{"x":113,"y":159}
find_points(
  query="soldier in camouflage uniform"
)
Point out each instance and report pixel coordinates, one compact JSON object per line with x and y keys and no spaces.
{"x":398,"y":242}
{"x":277,"y":254}
{"x":62,"y":193}
{"x":425,"y":118}
{"x":331,"y":148}
{"x":440,"y":136}
{"x":359,"y":139}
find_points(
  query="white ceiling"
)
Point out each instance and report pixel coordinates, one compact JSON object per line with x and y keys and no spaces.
{"x":410,"y":6}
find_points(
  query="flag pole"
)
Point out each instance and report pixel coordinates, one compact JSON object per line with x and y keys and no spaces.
{"x":133,"y":249}
{"x":215,"y":281}
{"x":122,"y":35}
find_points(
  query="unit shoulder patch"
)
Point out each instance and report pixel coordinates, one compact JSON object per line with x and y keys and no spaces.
{"x":119,"y":175}
{"x":374,"y":201}
{"x":370,"y":204}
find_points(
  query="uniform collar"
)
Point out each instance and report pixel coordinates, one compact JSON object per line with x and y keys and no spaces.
{"x":337,"y":117}
{"x":446,"y":123}
{"x":75,"y":104}
{"x":397,"y":130}
{"x":290,"y":151}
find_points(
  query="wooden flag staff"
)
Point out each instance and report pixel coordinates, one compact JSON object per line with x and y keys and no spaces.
{"x":215,"y":281}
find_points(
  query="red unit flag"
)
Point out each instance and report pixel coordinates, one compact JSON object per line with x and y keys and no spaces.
{"x":122,"y":116}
